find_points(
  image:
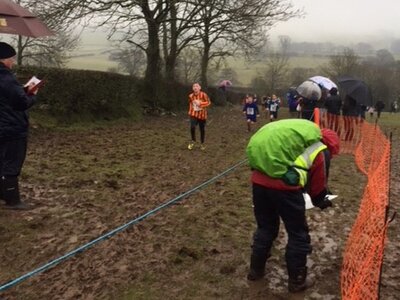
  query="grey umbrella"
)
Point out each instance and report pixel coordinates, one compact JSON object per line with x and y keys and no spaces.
{"x":356,"y":89}
{"x":14,"y":19}
{"x":310,"y":90}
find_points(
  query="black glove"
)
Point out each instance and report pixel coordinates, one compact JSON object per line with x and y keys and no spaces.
{"x":324,"y":203}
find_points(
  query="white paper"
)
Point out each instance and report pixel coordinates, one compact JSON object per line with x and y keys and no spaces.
{"x":33,"y":80}
{"x":308,"y":201}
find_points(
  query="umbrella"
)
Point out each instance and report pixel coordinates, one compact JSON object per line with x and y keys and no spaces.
{"x":309,"y":90}
{"x":323,"y":82}
{"x":356,"y":89}
{"x":14,"y":19}
{"x":225,"y":83}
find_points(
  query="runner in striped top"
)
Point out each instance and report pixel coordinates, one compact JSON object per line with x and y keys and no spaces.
{"x":198,"y":103}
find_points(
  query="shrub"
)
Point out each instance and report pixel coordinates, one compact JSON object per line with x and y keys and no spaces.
{"x":70,"y":94}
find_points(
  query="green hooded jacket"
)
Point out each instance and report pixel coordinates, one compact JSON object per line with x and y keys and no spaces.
{"x":275,"y":146}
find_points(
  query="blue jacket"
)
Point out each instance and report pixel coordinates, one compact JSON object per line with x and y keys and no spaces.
{"x":251,"y":109}
{"x":13,"y":105}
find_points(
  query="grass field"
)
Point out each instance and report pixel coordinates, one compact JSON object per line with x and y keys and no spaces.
{"x":94,"y":55}
{"x":97,"y":62}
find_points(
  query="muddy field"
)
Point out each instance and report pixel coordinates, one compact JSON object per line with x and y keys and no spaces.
{"x":85,"y":183}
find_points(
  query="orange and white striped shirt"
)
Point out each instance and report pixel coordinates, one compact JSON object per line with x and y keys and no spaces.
{"x":198,"y":111}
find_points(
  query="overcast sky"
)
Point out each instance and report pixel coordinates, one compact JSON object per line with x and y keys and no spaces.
{"x":346,"y":20}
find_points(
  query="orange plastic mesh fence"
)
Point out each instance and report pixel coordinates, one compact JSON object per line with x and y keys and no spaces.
{"x":363,"y":255}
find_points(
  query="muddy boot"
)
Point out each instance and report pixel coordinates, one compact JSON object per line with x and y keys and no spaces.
{"x":298,"y":280}
{"x":11,"y":194}
{"x":257,"y":267}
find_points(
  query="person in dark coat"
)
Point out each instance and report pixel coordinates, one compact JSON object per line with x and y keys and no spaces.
{"x":379,"y":106}
{"x":291,"y":98}
{"x":333,"y":105}
{"x":307,"y":108}
{"x":350,"y":111}
{"x":14,"y":102}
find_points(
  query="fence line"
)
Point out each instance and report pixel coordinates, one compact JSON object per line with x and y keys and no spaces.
{"x":363,"y":254}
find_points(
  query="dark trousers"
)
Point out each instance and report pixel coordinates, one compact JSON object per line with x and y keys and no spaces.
{"x":308,"y":115}
{"x":202,"y":125}
{"x":269,"y":207}
{"x":12,"y":157}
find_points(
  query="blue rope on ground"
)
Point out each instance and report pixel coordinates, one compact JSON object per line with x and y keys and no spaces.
{"x":114,"y":231}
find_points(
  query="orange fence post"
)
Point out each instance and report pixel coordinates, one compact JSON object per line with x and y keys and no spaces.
{"x":317,"y":116}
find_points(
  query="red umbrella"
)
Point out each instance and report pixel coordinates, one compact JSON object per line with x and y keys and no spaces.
{"x":14,"y":19}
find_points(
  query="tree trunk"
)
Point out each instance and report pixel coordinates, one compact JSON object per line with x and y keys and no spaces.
{"x":204,"y":65}
{"x":170,"y":68}
{"x":152,"y":74}
{"x":172,"y":55}
{"x":19,"y":50}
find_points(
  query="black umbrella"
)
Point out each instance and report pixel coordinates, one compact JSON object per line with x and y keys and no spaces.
{"x":356,"y":89}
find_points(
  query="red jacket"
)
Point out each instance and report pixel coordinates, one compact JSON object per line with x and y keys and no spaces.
{"x":316,"y":185}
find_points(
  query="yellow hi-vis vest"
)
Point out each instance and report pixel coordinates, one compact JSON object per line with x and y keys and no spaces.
{"x":304,"y":161}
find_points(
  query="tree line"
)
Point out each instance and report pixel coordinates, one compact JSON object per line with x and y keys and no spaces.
{"x":174,"y":40}
{"x":380,"y":71}
{"x":159,"y":30}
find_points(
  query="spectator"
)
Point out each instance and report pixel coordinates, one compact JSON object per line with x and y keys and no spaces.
{"x":291,"y":98}
{"x":14,"y":102}
{"x":394,"y":106}
{"x":370,"y":110}
{"x":333,"y":105}
{"x":350,"y":112}
{"x":379,"y":106}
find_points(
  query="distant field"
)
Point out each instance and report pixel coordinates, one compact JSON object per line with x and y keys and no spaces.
{"x":93,"y":62}
{"x":248,"y":70}
{"x":94,"y":57}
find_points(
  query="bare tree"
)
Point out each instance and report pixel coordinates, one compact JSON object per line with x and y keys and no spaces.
{"x":385,"y":58}
{"x":130,"y":60}
{"x":179,"y":32}
{"x":346,"y":63}
{"x":224,"y":27}
{"x":278,"y":66}
{"x":382,"y":74}
{"x":188,"y":66}
{"x":228,"y":27}
{"x":153,"y":13}
{"x":299,"y":74}
{"x":139,"y":20}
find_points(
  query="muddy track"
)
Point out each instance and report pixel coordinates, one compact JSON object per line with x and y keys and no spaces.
{"x":86,"y":183}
